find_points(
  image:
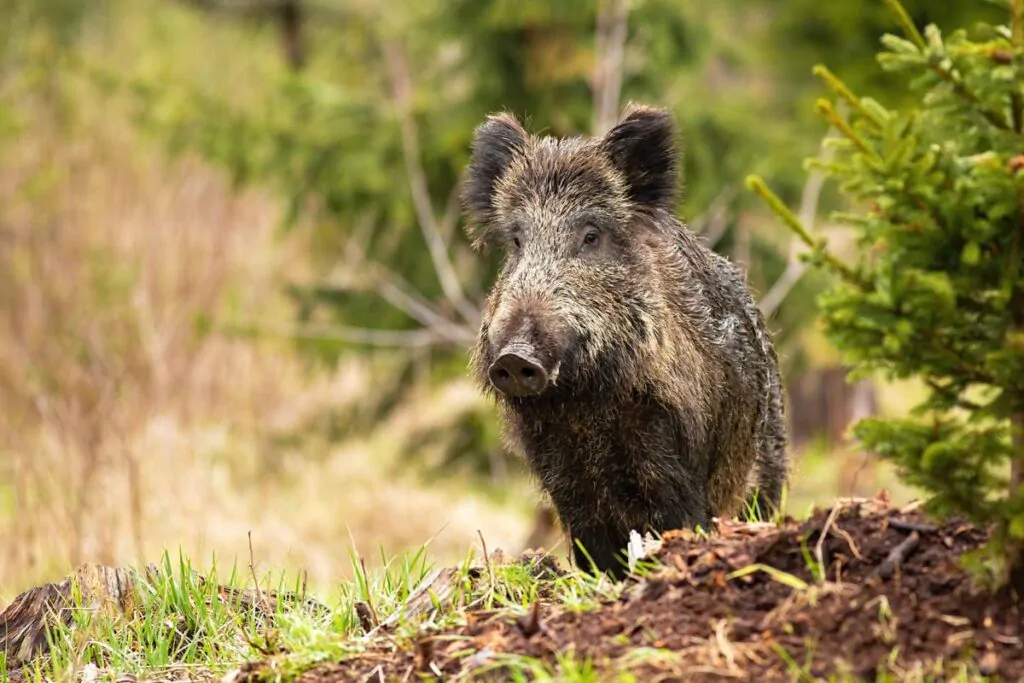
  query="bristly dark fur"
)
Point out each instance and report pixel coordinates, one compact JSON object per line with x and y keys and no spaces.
{"x":666,"y":404}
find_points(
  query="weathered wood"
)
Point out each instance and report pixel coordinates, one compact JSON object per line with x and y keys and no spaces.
{"x":24,"y":622}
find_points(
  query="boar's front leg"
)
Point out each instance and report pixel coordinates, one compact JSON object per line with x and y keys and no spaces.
{"x":603,"y":547}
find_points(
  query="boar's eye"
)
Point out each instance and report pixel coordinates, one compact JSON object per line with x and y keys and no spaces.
{"x":517,"y":242}
{"x":591,"y":238}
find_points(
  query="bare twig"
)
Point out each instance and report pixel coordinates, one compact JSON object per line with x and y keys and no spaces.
{"x":795,"y":268}
{"x":898,"y":555}
{"x":396,"y":291}
{"x":849,"y":542}
{"x":290,"y":16}
{"x":256,"y":8}
{"x":712,"y":224}
{"x":264,"y":603}
{"x":452,"y":210}
{"x":529,"y":623}
{"x":913,"y":526}
{"x":819,"y":548}
{"x":351,"y":335}
{"x":437,"y":330}
{"x":741,"y":246}
{"x":610,"y":44}
{"x":402,"y":87}
{"x":911,"y":506}
{"x":369,"y":600}
{"x":487,"y":559}
{"x":959,"y":402}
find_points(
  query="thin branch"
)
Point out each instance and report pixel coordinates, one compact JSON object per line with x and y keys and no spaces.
{"x":389,"y":287}
{"x":264,"y":603}
{"x":907,"y":24}
{"x":452,"y":210}
{"x":795,"y":268}
{"x":949,"y":394}
{"x":257,"y":8}
{"x":396,"y":291}
{"x":393,"y":290}
{"x":291,"y":17}
{"x":343,"y":333}
{"x":898,"y":555}
{"x":610,"y":45}
{"x":712,"y":225}
{"x":819,"y":548}
{"x":402,"y":86}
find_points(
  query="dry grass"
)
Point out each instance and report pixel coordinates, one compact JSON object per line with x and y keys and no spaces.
{"x":125,"y":431}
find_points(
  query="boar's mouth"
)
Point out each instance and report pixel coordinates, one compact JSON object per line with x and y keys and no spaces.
{"x":519,"y":372}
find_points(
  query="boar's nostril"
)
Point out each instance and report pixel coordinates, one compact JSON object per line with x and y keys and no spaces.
{"x":514,"y":373}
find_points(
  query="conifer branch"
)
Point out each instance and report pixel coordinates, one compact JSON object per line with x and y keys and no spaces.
{"x":947,"y":393}
{"x":950,"y":77}
{"x":946,"y":74}
{"x":907,"y":24}
{"x":825,"y":108}
{"x":840,"y":88}
{"x":757,"y":185}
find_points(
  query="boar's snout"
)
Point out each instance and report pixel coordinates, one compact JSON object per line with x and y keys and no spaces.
{"x":518,"y":372}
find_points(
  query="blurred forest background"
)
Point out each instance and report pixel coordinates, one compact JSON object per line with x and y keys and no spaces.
{"x":234,"y":291}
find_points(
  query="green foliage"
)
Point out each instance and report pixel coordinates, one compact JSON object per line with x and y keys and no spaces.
{"x":330,"y":137}
{"x":334,"y":141}
{"x":937,"y":289}
{"x":387,"y":94}
{"x":801,"y":32}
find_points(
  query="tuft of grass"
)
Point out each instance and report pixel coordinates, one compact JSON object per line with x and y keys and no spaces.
{"x":178,"y":621}
{"x":185,"y":622}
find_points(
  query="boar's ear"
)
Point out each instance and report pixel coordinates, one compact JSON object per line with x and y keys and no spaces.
{"x":496,"y":142}
{"x":642,"y":148}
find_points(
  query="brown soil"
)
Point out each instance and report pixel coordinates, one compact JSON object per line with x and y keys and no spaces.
{"x":916,"y":616}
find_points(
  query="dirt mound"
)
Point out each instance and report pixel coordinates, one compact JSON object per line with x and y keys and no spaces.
{"x":747,"y":603}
